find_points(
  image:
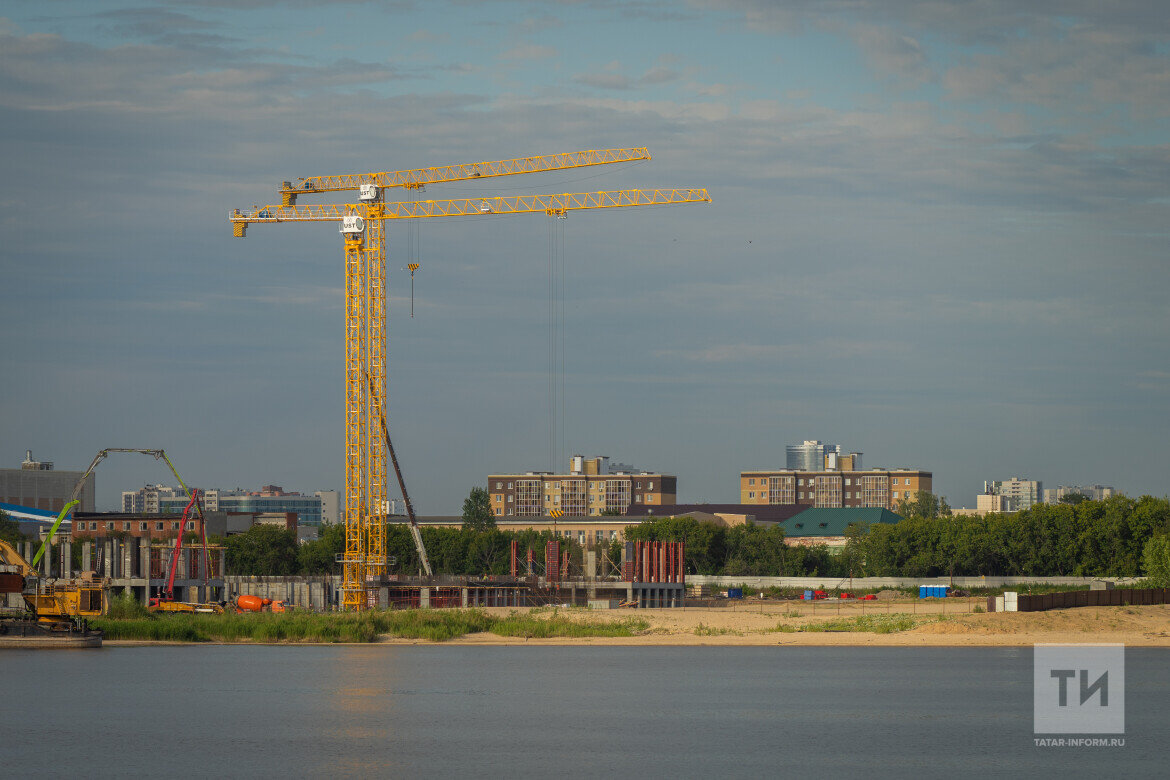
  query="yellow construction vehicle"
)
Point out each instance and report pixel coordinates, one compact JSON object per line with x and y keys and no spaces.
{"x":54,"y":600}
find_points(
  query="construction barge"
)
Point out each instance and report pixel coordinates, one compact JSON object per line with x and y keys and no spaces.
{"x":30,"y":634}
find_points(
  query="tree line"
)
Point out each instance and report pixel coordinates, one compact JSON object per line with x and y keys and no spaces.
{"x":1083,"y":539}
{"x":1089,"y":538}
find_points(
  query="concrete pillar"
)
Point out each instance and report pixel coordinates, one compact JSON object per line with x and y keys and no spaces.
{"x":144,"y":558}
{"x":591,"y":564}
{"x":424,"y":598}
{"x":87,"y":556}
{"x":463,"y":593}
{"x":67,"y":558}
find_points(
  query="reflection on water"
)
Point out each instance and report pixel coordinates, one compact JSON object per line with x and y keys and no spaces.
{"x":523,"y":711}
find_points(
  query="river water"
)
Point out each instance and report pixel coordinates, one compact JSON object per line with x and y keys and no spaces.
{"x":451,"y":711}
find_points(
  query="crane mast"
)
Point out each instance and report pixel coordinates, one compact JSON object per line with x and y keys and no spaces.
{"x":363,"y":229}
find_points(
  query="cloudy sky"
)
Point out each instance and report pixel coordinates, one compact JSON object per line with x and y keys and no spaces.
{"x":938,"y":236}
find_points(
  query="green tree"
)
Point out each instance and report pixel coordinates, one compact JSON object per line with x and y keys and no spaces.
{"x":1156,"y":560}
{"x":924,"y":504}
{"x":10,"y":529}
{"x":263,"y":550}
{"x":320,"y":555}
{"x":1073,"y":498}
{"x":477,"y":511}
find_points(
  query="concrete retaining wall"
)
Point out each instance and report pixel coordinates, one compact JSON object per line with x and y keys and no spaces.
{"x":831,"y":583}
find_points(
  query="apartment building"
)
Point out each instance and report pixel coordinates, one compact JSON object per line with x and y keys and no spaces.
{"x":588,"y":489}
{"x":884,"y":488}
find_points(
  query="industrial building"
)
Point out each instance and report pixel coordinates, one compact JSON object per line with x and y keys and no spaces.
{"x":1091,"y":492}
{"x":589,"y":489}
{"x":164,"y":525}
{"x":38,"y":485}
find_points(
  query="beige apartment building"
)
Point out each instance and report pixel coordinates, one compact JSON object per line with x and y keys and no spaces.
{"x":830,"y":489}
{"x":589,"y":489}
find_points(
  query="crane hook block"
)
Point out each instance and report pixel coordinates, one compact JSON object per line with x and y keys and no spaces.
{"x":368,"y":191}
{"x":352,"y":225}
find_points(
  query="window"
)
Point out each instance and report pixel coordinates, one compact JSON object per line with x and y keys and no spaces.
{"x":499,"y":511}
{"x":158,"y":526}
{"x":499,"y":498}
{"x":499,"y":485}
{"x":800,"y":494}
{"x":847,"y":493}
{"x":109,"y":526}
{"x":751,"y":494}
{"x":895,"y":494}
{"x":650,"y":486}
{"x":509,"y":501}
{"x":638,"y":498}
{"x":175,"y":526}
{"x":190,"y":525}
{"x":142,"y":526}
{"x":847,"y":480}
{"x":752,"y":481}
{"x":800,"y":481}
{"x":907,"y":482}
{"x":509,"y":486}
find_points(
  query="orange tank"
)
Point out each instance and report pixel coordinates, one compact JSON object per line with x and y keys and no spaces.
{"x":247,"y":603}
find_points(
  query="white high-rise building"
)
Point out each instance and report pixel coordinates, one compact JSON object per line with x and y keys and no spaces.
{"x":1015,"y":493}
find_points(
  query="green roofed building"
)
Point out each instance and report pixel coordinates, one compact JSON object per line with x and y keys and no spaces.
{"x":827,"y":526}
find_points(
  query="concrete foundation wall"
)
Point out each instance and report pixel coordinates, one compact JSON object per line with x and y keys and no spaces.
{"x":306,"y":592}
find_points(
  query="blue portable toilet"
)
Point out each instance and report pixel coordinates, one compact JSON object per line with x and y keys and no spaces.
{"x":808,"y":595}
{"x":923,"y":591}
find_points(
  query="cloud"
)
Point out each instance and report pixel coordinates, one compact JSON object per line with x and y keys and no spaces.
{"x":529,"y":51}
{"x":611,"y":79}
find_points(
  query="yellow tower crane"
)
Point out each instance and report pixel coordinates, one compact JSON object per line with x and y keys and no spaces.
{"x":363,"y":231}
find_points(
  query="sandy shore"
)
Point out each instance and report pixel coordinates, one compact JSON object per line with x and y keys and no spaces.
{"x":949,"y":623}
{"x":944,"y":624}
